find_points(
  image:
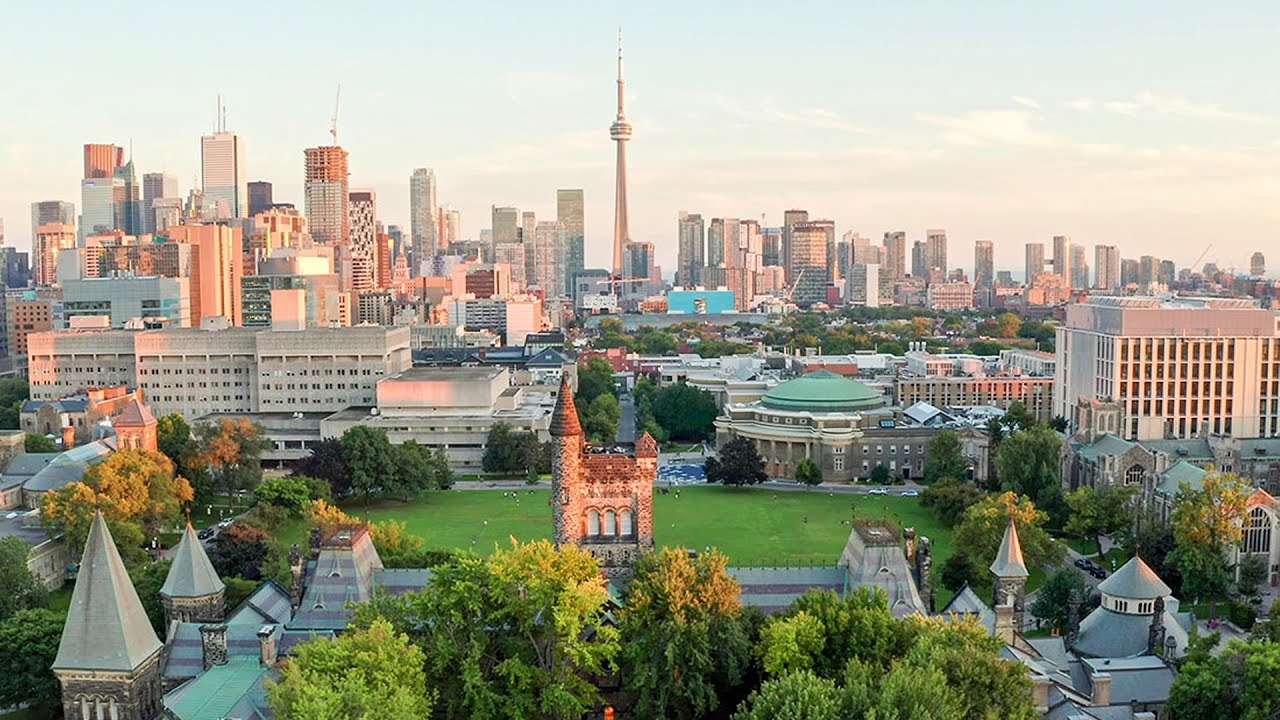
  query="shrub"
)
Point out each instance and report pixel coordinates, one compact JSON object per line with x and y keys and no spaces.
{"x":1241,"y":614}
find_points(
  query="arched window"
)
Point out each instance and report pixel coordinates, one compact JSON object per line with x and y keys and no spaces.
{"x":624,"y":523}
{"x":593,"y":522}
{"x":610,"y":524}
{"x":1133,"y":476}
{"x":1257,"y":536}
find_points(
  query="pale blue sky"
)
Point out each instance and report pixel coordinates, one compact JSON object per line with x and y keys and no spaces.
{"x":1151,"y":125}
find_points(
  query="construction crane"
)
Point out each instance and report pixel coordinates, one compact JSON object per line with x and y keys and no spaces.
{"x":791,"y":293}
{"x":1197,"y":262}
{"x":333,"y":124}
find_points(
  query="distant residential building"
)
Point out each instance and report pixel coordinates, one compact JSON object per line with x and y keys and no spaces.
{"x":935,"y":251}
{"x":984,"y":267}
{"x":1106,"y":268}
{"x":895,"y":254}
{"x":550,"y":250}
{"x":327,"y":195}
{"x":1035,"y":393}
{"x":260,"y":197}
{"x":363,"y":211}
{"x":1079,"y":268}
{"x":864,"y":285}
{"x":808,"y":260}
{"x":950,"y":296}
{"x":1257,"y":265}
{"x":691,"y":244}
{"x":1034,"y":262}
{"x":1130,"y":272}
{"x":15,"y":268}
{"x":24,"y":316}
{"x":219,"y":265}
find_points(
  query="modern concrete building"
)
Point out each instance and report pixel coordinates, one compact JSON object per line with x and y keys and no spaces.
{"x":363,"y":228}
{"x":1034,"y":263}
{"x":935,"y":252}
{"x":50,"y":240}
{"x":195,"y":372}
{"x":1036,"y":393}
{"x":222,"y":167}
{"x":218,"y":267}
{"x":326,"y":194}
{"x":1179,"y":368}
{"x":126,"y":298}
{"x":423,"y":209}
{"x":1106,"y":268}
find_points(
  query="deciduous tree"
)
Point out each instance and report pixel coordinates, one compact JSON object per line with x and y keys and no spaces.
{"x":958,"y":571}
{"x":1100,"y":511}
{"x":946,"y":458}
{"x":1239,"y":683}
{"x":371,"y":459}
{"x":1028,"y":463}
{"x":595,"y":378}
{"x":794,"y":696}
{"x":738,"y":463}
{"x":686,"y":412}
{"x":291,"y":493}
{"x":602,"y":418}
{"x":979,"y":534}
{"x":949,"y":498}
{"x":244,"y":551}
{"x":28,"y":646}
{"x":808,"y":472}
{"x":1053,"y":598}
{"x":37,"y":443}
{"x":327,"y":463}
{"x":232,"y":449}
{"x":19,"y":589}
{"x":1207,"y":521}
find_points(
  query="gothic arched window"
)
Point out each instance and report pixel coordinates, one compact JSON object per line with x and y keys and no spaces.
{"x":624,"y":524}
{"x":1257,"y":536}
{"x":610,"y":523}
{"x":593,"y":522}
{"x":1133,"y":476}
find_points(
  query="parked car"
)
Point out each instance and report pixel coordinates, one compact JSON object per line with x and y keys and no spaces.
{"x":206,"y":533}
{"x":1083,"y":563}
{"x":909,"y":493}
{"x":1098,"y":572}
{"x":226,"y":523}
{"x":878,"y":491}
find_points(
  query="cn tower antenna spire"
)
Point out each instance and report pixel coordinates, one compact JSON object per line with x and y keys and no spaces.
{"x":620,"y":132}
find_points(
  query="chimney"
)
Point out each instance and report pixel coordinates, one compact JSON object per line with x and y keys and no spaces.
{"x":1004,"y":623}
{"x":68,"y":437}
{"x":1101,"y":689}
{"x":267,"y":644}
{"x":213,"y":643}
{"x":1040,"y":693}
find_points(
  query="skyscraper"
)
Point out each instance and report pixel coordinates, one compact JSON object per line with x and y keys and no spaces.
{"x":364,"y":233}
{"x":422,"y":213}
{"x":550,"y":245}
{"x":935,"y":247}
{"x":156,"y":186}
{"x":1106,"y":267}
{"x":1034,"y":263}
{"x":260,"y":197}
{"x":1148,"y":269}
{"x":570,"y":212}
{"x":326,"y":194}
{"x":101,"y":204}
{"x":984,"y":269}
{"x":620,"y":131}
{"x":692,"y":249}
{"x":505,"y":225}
{"x":52,"y":212}
{"x":919,"y":260}
{"x":895,"y":255}
{"x":223,"y":170}
{"x":808,"y":261}
{"x":50,"y":240}
{"x":1062,"y":258}
{"x":101,"y":161}
{"x":453,"y":228}
{"x":1257,"y":265}
{"x":1079,"y":268}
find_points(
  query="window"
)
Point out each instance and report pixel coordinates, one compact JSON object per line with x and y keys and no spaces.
{"x":610,"y":523}
{"x":624,"y":523}
{"x":1257,"y":535}
{"x":593,"y":522}
{"x":839,"y":463}
{"x":1133,"y":476}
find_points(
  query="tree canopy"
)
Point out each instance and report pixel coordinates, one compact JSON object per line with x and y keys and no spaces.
{"x":1053,"y":598}
{"x":946,"y":458}
{"x":983,"y":526}
{"x":1208,"y":521}
{"x":1239,"y":683}
{"x":738,"y":463}
{"x":28,"y":645}
{"x":1028,"y":463}
{"x":602,"y":417}
{"x":507,"y":450}
{"x":19,"y":589}
{"x":687,"y":413}
{"x":1100,"y":511}
{"x":232,"y":450}
{"x":37,"y":443}
{"x":808,"y":472}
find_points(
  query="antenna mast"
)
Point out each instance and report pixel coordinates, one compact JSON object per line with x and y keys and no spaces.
{"x":333,"y":125}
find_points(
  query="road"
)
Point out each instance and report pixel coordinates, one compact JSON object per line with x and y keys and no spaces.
{"x":627,"y":422}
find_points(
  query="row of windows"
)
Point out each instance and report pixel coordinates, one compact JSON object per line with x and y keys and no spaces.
{"x":1148,"y":371}
{"x":313,"y":386}
{"x":192,"y":371}
{"x":1178,"y":348}
{"x":315,"y":373}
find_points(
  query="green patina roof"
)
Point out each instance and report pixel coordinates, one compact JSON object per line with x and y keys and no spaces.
{"x":218,"y":690}
{"x":1181,"y":472}
{"x":1106,"y":444}
{"x":823,"y":391}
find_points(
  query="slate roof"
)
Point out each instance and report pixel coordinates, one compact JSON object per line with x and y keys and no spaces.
{"x":1008,"y":562}
{"x":67,"y":467}
{"x":880,"y":563}
{"x":338,"y":576}
{"x":966,"y":603}
{"x":269,"y":604}
{"x":1106,"y":633}
{"x":185,"y":657}
{"x":235,"y":689}
{"x":106,"y":627}
{"x":191,"y":575}
{"x":28,"y":464}
{"x":773,"y":589}
{"x":1135,"y":579}
{"x":564,"y":419}
{"x":549,"y":357}
{"x":1192,"y":448}
{"x":1105,"y":444}
{"x":71,"y":404}
{"x":135,"y":414}
{"x":1142,"y":679}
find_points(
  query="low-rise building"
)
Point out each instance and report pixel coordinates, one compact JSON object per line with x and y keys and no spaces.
{"x":1035,"y":393}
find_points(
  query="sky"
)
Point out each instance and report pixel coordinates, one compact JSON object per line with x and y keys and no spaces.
{"x":1154,"y":126}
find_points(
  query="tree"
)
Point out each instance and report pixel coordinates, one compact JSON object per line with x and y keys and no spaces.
{"x":1152,"y":538}
{"x":290,"y":493}
{"x":880,"y":475}
{"x":1252,"y":573}
{"x":949,"y":498}
{"x":1017,"y":417}
{"x":232,"y":450}
{"x":1269,"y":629}
{"x":808,"y":472}
{"x":174,"y":439}
{"x":602,"y":418}
{"x":1204,"y":571}
{"x":945,"y":458}
{"x":1008,"y":324}
{"x":147,"y":579}
{"x":371,"y":460}
{"x":595,"y":378}
{"x":739,"y":463}
{"x":791,"y":644}
{"x":424,"y":468}
{"x":28,"y":647}
{"x":823,"y":631}
{"x":37,"y":443}
{"x":244,"y":551}
{"x":19,"y":589}
{"x":796,"y":696}
{"x":958,"y":571}
{"x":1101,"y":511}
{"x":1028,"y":463}
{"x":326,"y":463}
{"x":363,"y":674}
{"x":516,"y":635}
{"x":509,"y":451}
{"x":979,"y":534}
{"x":1207,"y":521}
{"x":905,"y":692}
{"x":987,"y":686}
{"x":13,"y":391}
{"x":396,"y":547}
{"x":1053,"y":598}
{"x":1240,"y":683}
{"x":686,"y":412}
{"x":684,"y":645}
{"x":658,"y":342}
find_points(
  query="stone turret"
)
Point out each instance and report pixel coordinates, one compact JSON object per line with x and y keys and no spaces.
{"x":192,"y":591}
{"x":109,"y":656}
{"x":1010,"y":573}
{"x":566,"y":461}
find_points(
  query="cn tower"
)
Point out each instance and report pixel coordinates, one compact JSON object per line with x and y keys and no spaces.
{"x":620,"y":131}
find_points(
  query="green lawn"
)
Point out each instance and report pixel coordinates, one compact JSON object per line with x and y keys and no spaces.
{"x":748,"y":525}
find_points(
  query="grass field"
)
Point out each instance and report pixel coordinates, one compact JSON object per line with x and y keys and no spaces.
{"x":748,"y":525}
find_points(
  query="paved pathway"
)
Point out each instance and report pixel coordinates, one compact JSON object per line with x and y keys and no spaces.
{"x":627,"y":421}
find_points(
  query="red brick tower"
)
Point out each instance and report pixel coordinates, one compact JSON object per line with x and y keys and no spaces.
{"x":601,"y":500}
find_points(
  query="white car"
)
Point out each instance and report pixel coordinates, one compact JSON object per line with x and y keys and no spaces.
{"x":878,"y":491}
{"x":909,"y":493}
{"x":226,"y":523}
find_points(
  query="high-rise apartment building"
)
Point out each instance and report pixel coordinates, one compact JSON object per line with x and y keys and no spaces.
{"x":1079,"y":268}
{"x":1034,"y":263}
{"x":326,"y":194}
{"x":984,"y":264}
{"x":52,"y":212}
{"x":550,"y":248}
{"x":570,"y":210}
{"x":156,"y":186}
{"x":222,"y":167}
{"x":935,"y":252}
{"x":808,"y":261}
{"x":101,"y":161}
{"x":789,"y":219}
{"x":1130,"y":272}
{"x":895,"y":255}
{"x":260,"y":197}
{"x":505,"y":225}
{"x":1178,"y":368}
{"x":219,"y":267}
{"x":919,"y":260}
{"x":49,"y":242}
{"x":453,"y":227}
{"x":1062,"y":258}
{"x":423,"y":209}
{"x":1257,"y":265}
{"x":1106,"y":267}
{"x":864,"y":285}
{"x":1148,"y":269}
{"x":691,"y":255}
{"x":364,"y":234}
{"x":1167,"y":272}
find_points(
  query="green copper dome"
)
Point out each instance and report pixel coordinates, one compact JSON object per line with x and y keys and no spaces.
{"x":823,"y":391}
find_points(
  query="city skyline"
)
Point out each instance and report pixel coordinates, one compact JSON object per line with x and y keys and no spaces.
{"x":1162,"y":159}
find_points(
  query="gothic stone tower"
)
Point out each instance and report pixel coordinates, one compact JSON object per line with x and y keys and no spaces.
{"x":192,"y":591}
{"x":601,"y":501}
{"x":1010,"y":574}
{"x":109,"y":657}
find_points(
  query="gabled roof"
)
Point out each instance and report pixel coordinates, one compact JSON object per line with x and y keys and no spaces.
{"x":71,"y":404}
{"x":106,"y":628}
{"x":233,"y":689}
{"x":1135,"y":579}
{"x":135,"y":414}
{"x":1181,"y":472}
{"x":191,"y":575}
{"x":1105,"y":444}
{"x":1008,"y":562}
{"x":549,"y":357}
{"x":967,"y":603}
{"x":28,"y":464}
{"x":270,"y":603}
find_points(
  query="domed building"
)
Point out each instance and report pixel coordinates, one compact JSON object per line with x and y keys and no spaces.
{"x":844,"y":425}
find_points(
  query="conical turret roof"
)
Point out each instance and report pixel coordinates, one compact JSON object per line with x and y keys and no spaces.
{"x":1008,"y":562}
{"x":106,"y":628}
{"x":1136,"y":580}
{"x":191,"y":575}
{"x":564,"y":419}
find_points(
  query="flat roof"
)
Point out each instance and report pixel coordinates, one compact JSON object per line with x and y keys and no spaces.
{"x":446,"y":373}
{"x":31,"y":534}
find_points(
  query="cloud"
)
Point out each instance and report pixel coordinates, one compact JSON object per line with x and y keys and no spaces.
{"x":1175,"y":106}
{"x":1026,"y":102}
{"x":527,"y":85}
{"x":990,"y":127}
{"x":811,"y":118}
{"x":1083,"y":104}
